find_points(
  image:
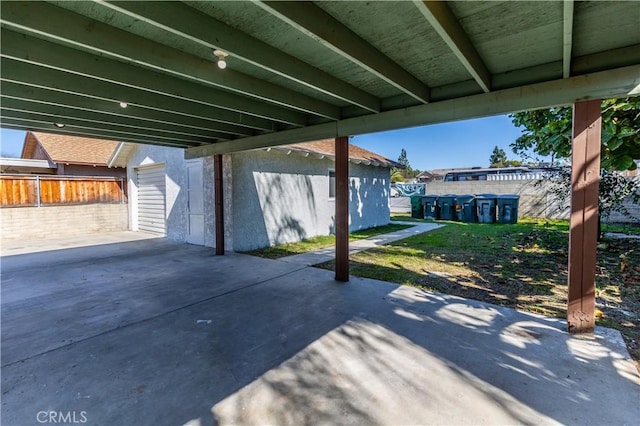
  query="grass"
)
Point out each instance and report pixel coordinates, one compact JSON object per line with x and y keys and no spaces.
{"x":321,"y":242}
{"x":622,"y":228}
{"x":521,"y":265}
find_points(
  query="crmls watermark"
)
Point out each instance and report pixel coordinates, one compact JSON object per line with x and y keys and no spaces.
{"x":61,"y":417}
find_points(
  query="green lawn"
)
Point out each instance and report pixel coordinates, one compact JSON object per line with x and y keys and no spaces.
{"x":522,"y":265}
{"x":317,"y":243}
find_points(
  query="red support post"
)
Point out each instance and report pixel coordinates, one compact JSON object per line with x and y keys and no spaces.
{"x":583,"y":235}
{"x":219,"y":203}
{"x":342,"y":208}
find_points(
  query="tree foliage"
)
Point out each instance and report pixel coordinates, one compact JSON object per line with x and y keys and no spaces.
{"x":406,"y":172}
{"x":548,"y":132}
{"x":498,"y":156}
{"x":613,"y":190}
{"x":397,"y":176}
{"x":402,"y":159}
{"x":508,"y":163}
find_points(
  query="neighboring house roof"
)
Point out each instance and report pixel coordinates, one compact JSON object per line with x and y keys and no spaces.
{"x":428,"y":175}
{"x":26,"y":165}
{"x":69,"y":149}
{"x":442,"y":172}
{"x":326,"y":148}
{"x":121,"y":154}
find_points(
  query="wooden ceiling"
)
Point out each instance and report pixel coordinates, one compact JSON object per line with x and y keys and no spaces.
{"x":300,"y":71}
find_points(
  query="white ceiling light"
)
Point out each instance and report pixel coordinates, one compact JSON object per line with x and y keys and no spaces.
{"x":123,"y":104}
{"x":58,"y":125}
{"x":222,"y":63}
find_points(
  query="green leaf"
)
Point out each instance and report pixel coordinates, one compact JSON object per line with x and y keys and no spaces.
{"x":614,"y":144}
{"x":623,"y":163}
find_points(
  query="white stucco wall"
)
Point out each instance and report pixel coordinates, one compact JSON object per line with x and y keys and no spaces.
{"x":282,"y":198}
{"x":176,"y":213}
{"x":270,"y":197}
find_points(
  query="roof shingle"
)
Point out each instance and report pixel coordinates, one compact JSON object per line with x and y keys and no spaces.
{"x":76,"y":150}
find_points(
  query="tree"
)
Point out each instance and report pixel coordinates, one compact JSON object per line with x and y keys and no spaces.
{"x":613,"y":190}
{"x":508,"y":163}
{"x":406,"y":171}
{"x":497,"y":157}
{"x":396,"y":176}
{"x":548,"y":132}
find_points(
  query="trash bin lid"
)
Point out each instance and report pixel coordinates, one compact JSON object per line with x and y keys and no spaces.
{"x":509,"y":196}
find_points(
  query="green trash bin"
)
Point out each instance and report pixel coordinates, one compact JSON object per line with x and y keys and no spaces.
{"x":447,"y":207}
{"x":486,"y":208}
{"x":508,"y":208}
{"x":417,"y":211}
{"x":466,"y":208}
{"x":430,"y":203}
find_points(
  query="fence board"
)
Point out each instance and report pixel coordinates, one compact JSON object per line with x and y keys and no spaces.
{"x":16,"y":191}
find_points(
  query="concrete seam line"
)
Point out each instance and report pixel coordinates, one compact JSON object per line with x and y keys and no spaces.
{"x":153,"y":317}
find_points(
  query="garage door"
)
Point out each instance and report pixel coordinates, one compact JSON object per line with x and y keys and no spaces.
{"x":151,"y":199}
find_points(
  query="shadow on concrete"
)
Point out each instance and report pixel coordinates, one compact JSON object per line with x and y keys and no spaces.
{"x":161,"y":333}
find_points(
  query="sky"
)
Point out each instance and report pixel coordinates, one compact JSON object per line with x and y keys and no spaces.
{"x":11,"y":143}
{"x":465,"y":143}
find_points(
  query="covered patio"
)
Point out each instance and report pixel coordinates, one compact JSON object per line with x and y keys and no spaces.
{"x":220,"y":77}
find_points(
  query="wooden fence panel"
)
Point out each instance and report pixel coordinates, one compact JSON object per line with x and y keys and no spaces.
{"x":18,"y":191}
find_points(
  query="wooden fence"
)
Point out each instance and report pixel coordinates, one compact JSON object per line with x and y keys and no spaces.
{"x":30,"y":191}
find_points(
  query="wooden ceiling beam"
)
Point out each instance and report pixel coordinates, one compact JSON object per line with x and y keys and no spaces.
{"x":66,"y":113}
{"x":448,"y":28}
{"x":614,"y":83}
{"x":33,"y":125}
{"x":311,"y":20}
{"x":58,"y":24}
{"x":51,"y":55}
{"x":53,"y":79}
{"x":182,"y":123}
{"x":119,"y":130}
{"x":184,"y":21}
{"x":567,"y":37}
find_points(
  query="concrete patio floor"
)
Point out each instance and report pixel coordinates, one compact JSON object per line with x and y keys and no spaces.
{"x":150,"y":332}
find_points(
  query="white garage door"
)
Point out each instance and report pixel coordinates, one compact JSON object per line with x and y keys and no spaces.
{"x":151,"y":199}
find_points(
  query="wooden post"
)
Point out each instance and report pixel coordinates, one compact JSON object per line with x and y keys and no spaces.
{"x":342,"y":208}
{"x":583,"y":236}
{"x":219,"y":203}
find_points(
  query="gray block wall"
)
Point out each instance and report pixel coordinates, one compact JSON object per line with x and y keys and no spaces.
{"x":535,"y":200}
{"x":29,"y":223}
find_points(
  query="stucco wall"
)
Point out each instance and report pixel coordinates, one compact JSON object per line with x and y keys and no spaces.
{"x":177,"y":209}
{"x":60,"y":221}
{"x":282,"y":198}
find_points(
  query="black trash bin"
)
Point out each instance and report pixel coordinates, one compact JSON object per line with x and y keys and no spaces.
{"x":417,"y":211}
{"x":486,"y":208}
{"x":430,"y":203}
{"x":466,"y":208}
{"x":508,"y":208}
{"x":447,"y":207}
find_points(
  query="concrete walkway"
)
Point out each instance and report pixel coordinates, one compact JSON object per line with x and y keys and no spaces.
{"x":329,"y":253}
{"x":149,"y":332}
